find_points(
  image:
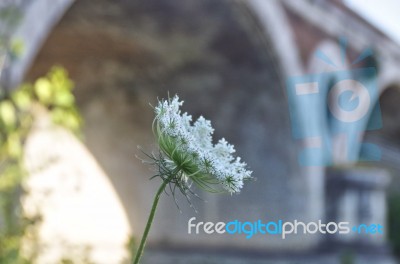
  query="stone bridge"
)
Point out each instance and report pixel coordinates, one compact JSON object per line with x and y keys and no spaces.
{"x":229,"y":60}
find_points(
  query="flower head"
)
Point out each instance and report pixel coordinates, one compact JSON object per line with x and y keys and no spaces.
{"x":189,"y":153}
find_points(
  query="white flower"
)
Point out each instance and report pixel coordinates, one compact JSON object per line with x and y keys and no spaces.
{"x":190,"y":152}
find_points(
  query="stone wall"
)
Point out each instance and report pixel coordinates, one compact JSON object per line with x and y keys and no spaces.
{"x":228,"y":60}
{"x":125,"y":54}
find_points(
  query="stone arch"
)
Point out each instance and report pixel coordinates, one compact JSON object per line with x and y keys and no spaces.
{"x":389,"y":75}
{"x":386,"y":137}
{"x":141,"y":52}
{"x":387,"y":79}
{"x":275,"y":23}
{"x":272,"y":16}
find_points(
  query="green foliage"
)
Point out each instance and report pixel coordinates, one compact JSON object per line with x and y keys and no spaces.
{"x":54,"y":93}
{"x":347,"y":257}
{"x":75,"y":255}
{"x":10,"y":16}
{"x":394,"y":222}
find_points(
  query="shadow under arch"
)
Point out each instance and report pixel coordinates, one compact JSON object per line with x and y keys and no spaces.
{"x":123,"y":54}
{"x":387,"y":138}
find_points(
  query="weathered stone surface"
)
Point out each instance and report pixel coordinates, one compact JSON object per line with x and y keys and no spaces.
{"x":124,"y":54}
{"x":225,"y":64}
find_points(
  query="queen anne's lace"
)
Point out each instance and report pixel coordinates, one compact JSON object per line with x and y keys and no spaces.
{"x":189,"y":148}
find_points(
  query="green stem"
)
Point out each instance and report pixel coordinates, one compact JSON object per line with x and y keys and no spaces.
{"x":139,"y":252}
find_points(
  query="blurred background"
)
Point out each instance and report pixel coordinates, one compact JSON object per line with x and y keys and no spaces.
{"x":77,"y":78}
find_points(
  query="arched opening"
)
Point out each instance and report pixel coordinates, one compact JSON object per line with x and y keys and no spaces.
{"x":123,"y":54}
{"x":388,"y":137}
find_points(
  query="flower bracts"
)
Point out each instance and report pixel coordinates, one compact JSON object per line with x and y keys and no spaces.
{"x":189,"y":154}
